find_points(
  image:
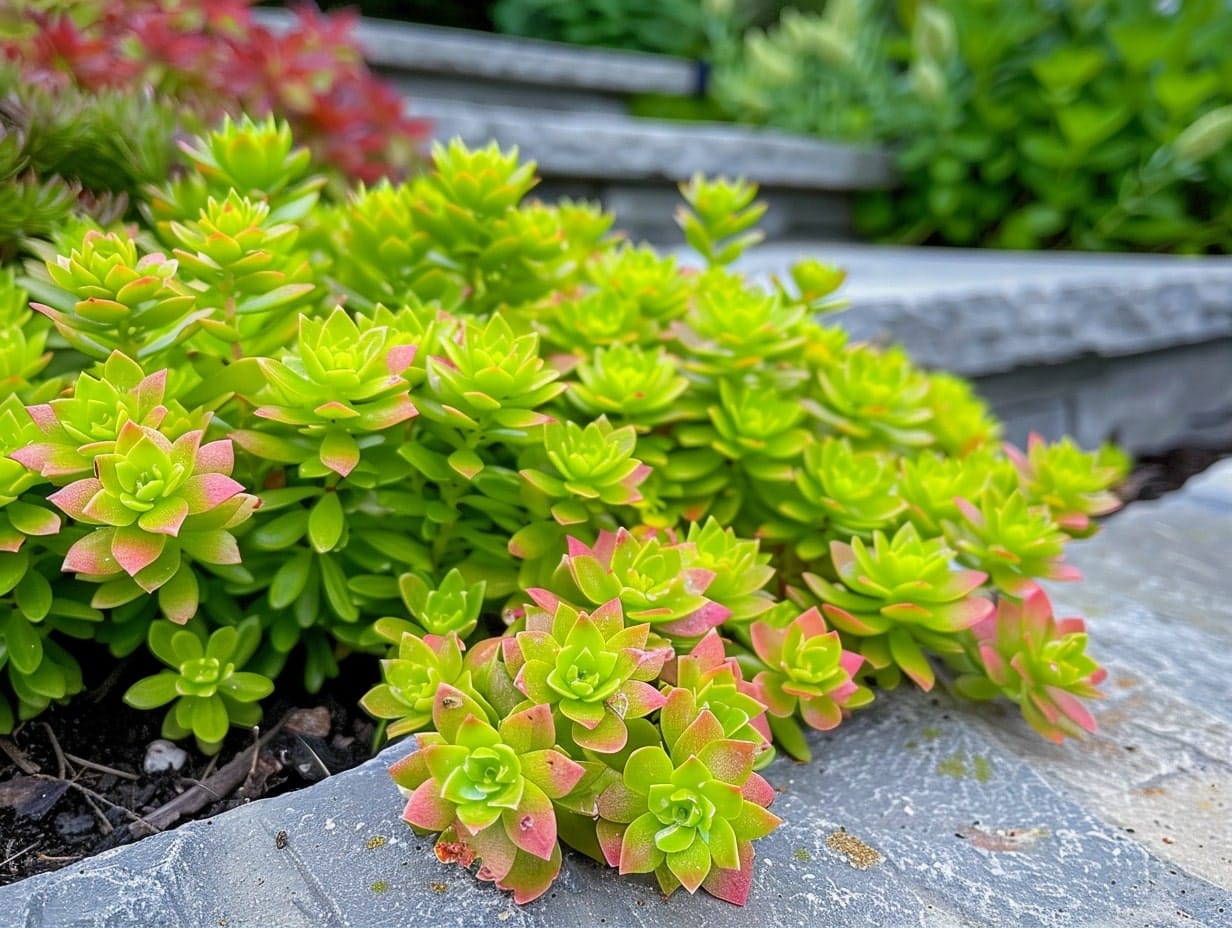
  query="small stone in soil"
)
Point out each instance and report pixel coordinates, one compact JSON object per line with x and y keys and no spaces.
{"x":68,"y":824}
{"x":315,"y":722}
{"x":163,"y":757}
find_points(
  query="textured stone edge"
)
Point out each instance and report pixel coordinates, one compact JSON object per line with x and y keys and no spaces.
{"x":441,"y":50}
{"x":1046,"y":323}
{"x":619,"y":147}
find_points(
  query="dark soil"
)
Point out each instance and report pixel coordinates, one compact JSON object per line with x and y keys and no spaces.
{"x":1157,"y":474}
{"x":59,"y":802}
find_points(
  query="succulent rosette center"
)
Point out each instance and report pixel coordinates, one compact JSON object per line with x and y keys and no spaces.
{"x":684,"y":812}
{"x":490,"y":776}
{"x":582,"y":674}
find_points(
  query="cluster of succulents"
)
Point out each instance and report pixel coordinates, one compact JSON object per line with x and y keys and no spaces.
{"x":609,"y":569}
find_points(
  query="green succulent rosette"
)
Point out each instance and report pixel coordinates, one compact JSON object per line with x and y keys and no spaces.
{"x":410,"y":679}
{"x":153,"y":503}
{"x":343,"y":381}
{"x":875,"y":398}
{"x":591,"y":668}
{"x":809,"y":672}
{"x":651,"y":577}
{"x":689,"y":814}
{"x":897,"y":597}
{"x":1013,"y":543}
{"x":104,"y":296}
{"x":1073,"y":484}
{"x":1025,"y":654}
{"x":489,"y":791}
{"x":208,"y":690}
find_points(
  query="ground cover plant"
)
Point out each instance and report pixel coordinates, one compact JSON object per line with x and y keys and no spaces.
{"x":620,"y":529}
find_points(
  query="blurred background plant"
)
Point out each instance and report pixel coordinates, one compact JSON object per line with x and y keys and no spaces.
{"x":213,"y":58}
{"x":1083,"y":125}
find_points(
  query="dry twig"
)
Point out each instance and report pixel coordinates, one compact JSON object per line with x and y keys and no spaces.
{"x":18,"y":757}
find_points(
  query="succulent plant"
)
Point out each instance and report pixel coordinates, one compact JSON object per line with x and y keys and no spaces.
{"x":628,"y":382}
{"x":490,"y":380}
{"x":651,"y":578}
{"x":1025,"y":653}
{"x":807,"y":671}
{"x":593,"y":469}
{"x":707,"y":678}
{"x":689,"y":814}
{"x":899,"y":596}
{"x":411,"y":678}
{"x":841,"y":493}
{"x":591,"y":668}
{"x":490,"y":790}
{"x":208,"y":689}
{"x":106,"y":296}
{"x":73,"y":430}
{"x":342,"y":382}
{"x":876,"y":396}
{"x":720,"y":219}
{"x":154,"y":502}
{"x":1072,"y":483}
{"x":1011,"y":542}
{"x":741,"y":571}
{"x":452,"y":606}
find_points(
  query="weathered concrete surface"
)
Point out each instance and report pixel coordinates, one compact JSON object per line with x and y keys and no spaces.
{"x":974,"y":820}
{"x":1135,"y":348}
{"x":601,"y":145}
{"x":418,"y":49}
{"x":983,"y":311}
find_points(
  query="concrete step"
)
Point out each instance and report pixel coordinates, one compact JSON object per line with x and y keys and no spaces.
{"x":971,"y":818}
{"x":566,"y":108}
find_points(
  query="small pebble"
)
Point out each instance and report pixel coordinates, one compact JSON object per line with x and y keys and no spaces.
{"x":314,"y":722}
{"x":68,"y":824}
{"x":163,"y":757}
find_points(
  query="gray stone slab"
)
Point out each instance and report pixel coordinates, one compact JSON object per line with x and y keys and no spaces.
{"x":461,"y":52}
{"x":975,"y":821}
{"x":983,"y":311}
{"x":601,"y":145}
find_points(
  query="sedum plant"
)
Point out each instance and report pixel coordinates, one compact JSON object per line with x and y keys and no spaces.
{"x":286,"y":434}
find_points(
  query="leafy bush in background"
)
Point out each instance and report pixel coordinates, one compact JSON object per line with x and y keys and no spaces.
{"x":213,"y":58}
{"x":818,"y":73}
{"x":696,"y":519}
{"x":670,"y":27}
{"x":1084,"y":125}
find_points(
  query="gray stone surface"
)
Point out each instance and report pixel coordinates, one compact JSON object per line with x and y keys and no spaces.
{"x":505,"y":59}
{"x":975,"y":820}
{"x":982,"y":311}
{"x":600,"y":145}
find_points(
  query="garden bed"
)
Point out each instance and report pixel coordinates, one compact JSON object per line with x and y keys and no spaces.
{"x":922,"y":811}
{"x":73,"y":783}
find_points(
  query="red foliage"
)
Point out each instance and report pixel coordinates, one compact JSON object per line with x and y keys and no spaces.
{"x":215,"y":57}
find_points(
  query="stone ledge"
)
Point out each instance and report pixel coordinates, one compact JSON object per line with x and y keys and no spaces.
{"x":581,"y":145}
{"x":461,"y":52}
{"x":980,"y":312}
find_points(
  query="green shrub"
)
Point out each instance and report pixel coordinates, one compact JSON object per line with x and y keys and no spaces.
{"x":1081,"y":125}
{"x":691,"y":513}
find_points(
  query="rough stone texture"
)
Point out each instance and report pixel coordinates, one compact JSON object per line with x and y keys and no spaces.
{"x":600,"y":145}
{"x":975,"y":821}
{"x":1135,"y":348}
{"x":498,"y":58}
{"x":983,"y":311}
